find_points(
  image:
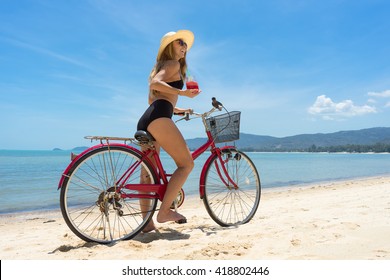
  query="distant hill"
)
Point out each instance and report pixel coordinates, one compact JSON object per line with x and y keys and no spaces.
{"x":370,"y":136}
{"x":75,"y":149}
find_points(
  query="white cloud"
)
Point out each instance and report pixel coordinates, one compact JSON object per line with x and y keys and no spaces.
{"x":378,"y":96}
{"x":329,"y":110}
{"x":384,"y":94}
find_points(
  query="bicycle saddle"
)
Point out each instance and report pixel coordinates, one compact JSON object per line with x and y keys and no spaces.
{"x":144,"y":137}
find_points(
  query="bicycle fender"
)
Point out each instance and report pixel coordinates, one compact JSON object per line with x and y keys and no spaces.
{"x":78,"y":157}
{"x":202,"y":179}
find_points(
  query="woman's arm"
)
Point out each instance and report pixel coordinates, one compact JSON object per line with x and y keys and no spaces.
{"x":170,"y":72}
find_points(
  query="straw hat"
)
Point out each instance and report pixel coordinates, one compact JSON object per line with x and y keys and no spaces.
{"x":186,"y":35}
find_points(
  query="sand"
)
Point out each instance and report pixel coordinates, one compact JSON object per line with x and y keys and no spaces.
{"x":348,"y":220}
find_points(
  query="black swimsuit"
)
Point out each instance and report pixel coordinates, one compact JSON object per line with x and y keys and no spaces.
{"x":160,"y":108}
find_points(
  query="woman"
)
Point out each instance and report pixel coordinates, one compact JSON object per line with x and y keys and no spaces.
{"x":166,"y":85}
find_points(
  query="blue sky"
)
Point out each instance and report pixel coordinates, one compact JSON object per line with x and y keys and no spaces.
{"x":75,"y":68}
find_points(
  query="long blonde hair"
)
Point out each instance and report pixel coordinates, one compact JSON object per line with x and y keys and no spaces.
{"x":169,"y":54}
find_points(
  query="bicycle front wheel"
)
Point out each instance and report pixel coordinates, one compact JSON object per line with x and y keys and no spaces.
{"x":92,"y":203}
{"x":228,"y":204}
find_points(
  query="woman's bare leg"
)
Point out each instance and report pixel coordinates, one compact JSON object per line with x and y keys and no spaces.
{"x":145,"y":204}
{"x":171,"y":140}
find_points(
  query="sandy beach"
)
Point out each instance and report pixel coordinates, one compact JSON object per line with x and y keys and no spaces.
{"x":348,"y":220}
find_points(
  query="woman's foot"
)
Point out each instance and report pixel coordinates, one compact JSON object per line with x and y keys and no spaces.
{"x":149,"y":227}
{"x":170,"y":216}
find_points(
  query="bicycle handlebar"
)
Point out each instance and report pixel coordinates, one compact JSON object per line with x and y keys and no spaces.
{"x":216,"y":106}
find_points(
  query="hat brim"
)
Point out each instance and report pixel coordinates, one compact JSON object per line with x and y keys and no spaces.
{"x":186,"y":35}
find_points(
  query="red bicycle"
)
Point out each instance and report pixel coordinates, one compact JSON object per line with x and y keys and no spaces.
{"x":110,"y":191}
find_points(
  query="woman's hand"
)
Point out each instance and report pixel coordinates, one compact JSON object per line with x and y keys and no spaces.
{"x":191,"y":93}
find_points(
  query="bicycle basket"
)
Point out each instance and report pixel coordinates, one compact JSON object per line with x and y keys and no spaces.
{"x":225,"y":127}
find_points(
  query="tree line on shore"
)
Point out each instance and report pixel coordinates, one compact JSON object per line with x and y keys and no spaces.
{"x":350,"y":148}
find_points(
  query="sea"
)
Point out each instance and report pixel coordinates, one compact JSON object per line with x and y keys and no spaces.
{"x":29,"y":179}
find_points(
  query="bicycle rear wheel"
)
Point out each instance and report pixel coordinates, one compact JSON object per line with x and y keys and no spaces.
{"x":92,"y":203}
{"x":226,"y":204}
